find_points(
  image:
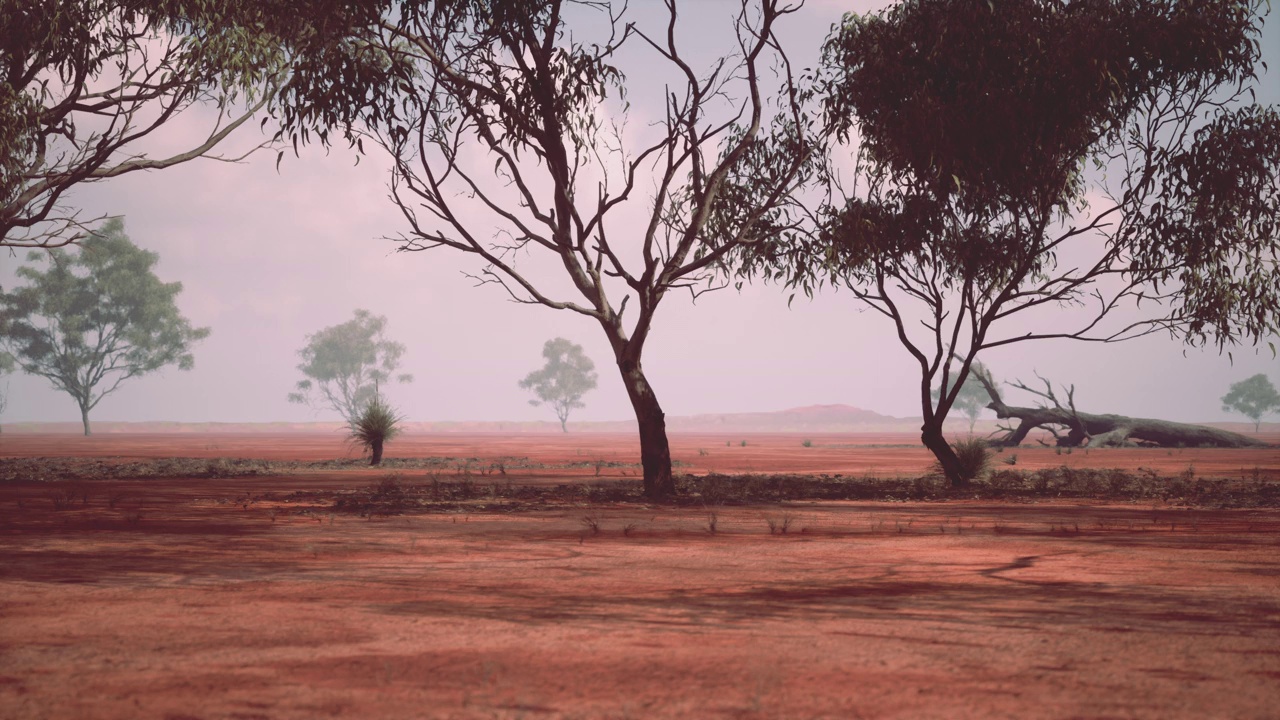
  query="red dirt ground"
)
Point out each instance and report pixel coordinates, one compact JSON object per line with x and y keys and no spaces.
{"x":880,"y":454}
{"x":196,"y":598}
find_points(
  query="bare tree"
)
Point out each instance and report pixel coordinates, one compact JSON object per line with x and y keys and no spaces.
{"x":510,"y":143}
{"x":86,"y":83}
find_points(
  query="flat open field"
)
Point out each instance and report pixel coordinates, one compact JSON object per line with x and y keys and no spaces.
{"x":254,"y":597}
{"x":577,"y":455}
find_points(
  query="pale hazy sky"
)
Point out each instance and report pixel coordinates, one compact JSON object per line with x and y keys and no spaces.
{"x":267,"y":257}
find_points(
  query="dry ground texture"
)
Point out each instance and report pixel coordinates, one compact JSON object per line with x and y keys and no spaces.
{"x":519,"y":577}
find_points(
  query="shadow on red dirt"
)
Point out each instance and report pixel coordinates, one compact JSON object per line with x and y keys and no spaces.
{"x":234,"y":597}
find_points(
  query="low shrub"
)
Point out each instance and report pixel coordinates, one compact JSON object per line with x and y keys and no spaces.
{"x":974,"y":456}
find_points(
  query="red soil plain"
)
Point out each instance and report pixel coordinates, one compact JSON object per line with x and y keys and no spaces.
{"x":216,"y":597}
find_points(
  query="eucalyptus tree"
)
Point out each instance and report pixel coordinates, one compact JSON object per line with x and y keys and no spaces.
{"x":85,"y":86}
{"x":567,"y":375}
{"x":96,"y":318}
{"x":346,"y":365}
{"x":1041,"y":169}
{"x":1253,"y":397}
{"x":7,"y":365}
{"x":508,"y":135}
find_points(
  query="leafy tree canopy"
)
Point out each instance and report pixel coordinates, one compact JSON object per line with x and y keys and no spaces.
{"x":1254,"y":398}
{"x":1095,"y":156}
{"x":347,"y":364}
{"x":96,"y":318}
{"x":567,"y":375}
{"x":84,"y":84}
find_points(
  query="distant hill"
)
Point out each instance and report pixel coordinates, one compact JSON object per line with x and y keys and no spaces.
{"x":812,"y":418}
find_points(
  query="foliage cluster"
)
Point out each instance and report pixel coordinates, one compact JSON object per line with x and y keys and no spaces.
{"x":346,"y":364}
{"x":84,"y":84}
{"x":96,"y":318}
{"x":567,"y":375}
{"x":1254,"y":397}
{"x":1100,"y":160}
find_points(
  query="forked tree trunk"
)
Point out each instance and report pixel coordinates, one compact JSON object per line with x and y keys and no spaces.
{"x":655,"y":452}
{"x":931,"y":436}
{"x":84,"y":418}
{"x":375,"y":451}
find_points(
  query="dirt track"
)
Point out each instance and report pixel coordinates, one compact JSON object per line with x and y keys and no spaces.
{"x":205,"y":599}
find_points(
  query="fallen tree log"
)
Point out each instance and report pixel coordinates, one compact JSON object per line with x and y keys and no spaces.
{"x":1072,"y":428}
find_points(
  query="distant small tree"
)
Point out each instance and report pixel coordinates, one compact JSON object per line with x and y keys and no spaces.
{"x":1253,"y":398}
{"x":971,"y":399}
{"x":346,"y":363}
{"x":375,"y":425}
{"x":7,"y":365}
{"x":89,"y":331}
{"x":568,"y":375}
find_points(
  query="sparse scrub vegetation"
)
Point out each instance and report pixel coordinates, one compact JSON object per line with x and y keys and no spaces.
{"x":439,"y":489}
{"x":66,"y":497}
{"x":778,"y":525}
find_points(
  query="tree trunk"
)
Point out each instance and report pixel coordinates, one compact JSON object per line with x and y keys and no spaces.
{"x":655,"y":452}
{"x":1117,"y":430}
{"x":84,"y":417}
{"x":931,"y":435}
{"x":1108,"y":430}
{"x":375,"y":450}
{"x":563,"y":426}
